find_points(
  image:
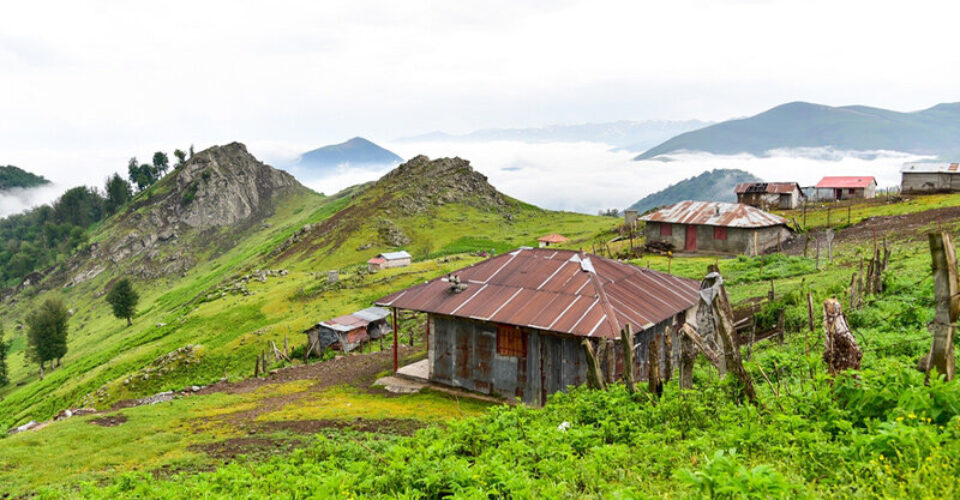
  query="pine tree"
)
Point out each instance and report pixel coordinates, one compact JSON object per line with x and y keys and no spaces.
{"x":47,"y":333}
{"x":123,"y":299}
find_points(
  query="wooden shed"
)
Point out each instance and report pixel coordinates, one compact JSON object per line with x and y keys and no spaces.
{"x":512,"y":325}
{"x":348,"y":332}
{"x":767,"y":195}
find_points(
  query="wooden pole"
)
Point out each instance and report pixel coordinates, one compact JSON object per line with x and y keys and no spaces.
{"x":654,"y":384}
{"x":611,"y":361}
{"x":396,"y":341}
{"x":594,"y":376}
{"x":945,"y":288}
{"x":723,"y":321}
{"x":626,"y":342}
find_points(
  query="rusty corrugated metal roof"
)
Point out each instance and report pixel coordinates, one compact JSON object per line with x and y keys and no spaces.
{"x":767,"y":187}
{"x":555,"y":290}
{"x":714,"y":213}
{"x":837,"y":182}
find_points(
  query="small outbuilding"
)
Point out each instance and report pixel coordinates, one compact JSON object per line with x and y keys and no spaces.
{"x":846,"y":188}
{"x":347,"y":332}
{"x":919,"y":178}
{"x":388,"y":260}
{"x":512,"y":325}
{"x":767,"y":195}
{"x":552,"y":239}
{"x":716,"y":227}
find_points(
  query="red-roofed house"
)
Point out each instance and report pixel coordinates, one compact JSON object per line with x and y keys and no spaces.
{"x":846,"y":188}
{"x":551,"y":239}
{"x":512,"y":325}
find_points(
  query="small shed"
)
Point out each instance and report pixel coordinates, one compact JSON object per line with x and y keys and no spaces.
{"x":767,"y":195}
{"x":388,"y":260}
{"x":552,"y":239}
{"x":919,"y":178}
{"x":512,"y":325}
{"x":835,"y":188}
{"x":716,"y":227}
{"x":347,"y":332}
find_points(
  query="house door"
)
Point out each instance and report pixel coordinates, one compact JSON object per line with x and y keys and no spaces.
{"x":691,"y":245}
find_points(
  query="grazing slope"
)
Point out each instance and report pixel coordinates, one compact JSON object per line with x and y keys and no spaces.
{"x":13,"y":177}
{"x":934,"y":131}
{"x":712,"y":185}
{"x":355,"y":152}
{"x":197,"y":246}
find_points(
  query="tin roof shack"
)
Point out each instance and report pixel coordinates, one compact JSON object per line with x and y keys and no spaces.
{"x":919,"y":178}
{"x":767,"y":195}
{"x":716,"y":227}
{"x":512,"y":325}
{"x":388,"y":260}
{"x":552,"y":239}
{"x":347,"y":332}
{"x":846,"y":188}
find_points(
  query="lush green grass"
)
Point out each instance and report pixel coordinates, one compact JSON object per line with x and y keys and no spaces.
{"x":877,"y":433}
{"x":844,"y":214}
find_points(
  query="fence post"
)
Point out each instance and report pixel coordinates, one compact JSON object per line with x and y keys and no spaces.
{"x":947,"y":296}
{"x":626,"y":342}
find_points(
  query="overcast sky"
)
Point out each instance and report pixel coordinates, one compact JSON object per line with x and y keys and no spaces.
{"x":85,"y":85}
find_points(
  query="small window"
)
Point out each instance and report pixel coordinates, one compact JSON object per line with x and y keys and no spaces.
{"x":851,"y":191}
{"x":510,"y":341}
{"x":666,"y":229}
{"x":719,"y":233}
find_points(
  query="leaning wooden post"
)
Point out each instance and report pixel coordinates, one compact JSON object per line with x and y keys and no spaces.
{"x":722,"y":313}
{"x":840,"y":349}
{"x":626,"y":343}
{"x":688,"y":356}
{"x":667,"y":353}
{"x":654,"y":384}
{"x":947,"y":296}
{"x":594,"y":376}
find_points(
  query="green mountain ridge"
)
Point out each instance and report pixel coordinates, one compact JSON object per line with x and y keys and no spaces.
{"x":711,"y":185}
{"x":934,"y":131}
{"x":14,"y":177}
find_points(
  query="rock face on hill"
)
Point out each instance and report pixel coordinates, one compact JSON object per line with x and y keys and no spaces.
{"x":421,"y":183}
{"x":219,"y":188}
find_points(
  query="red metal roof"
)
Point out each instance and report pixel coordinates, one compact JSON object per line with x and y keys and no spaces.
{"x":553,"y":238}
{"x":376,"y":260}
{"x":845,"y":182}
{"x":555,"y":290}
{"x":768,"y":187}
{"x":714,"y":213}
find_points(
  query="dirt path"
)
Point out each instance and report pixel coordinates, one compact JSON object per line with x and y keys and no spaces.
{"x":894,"y":227}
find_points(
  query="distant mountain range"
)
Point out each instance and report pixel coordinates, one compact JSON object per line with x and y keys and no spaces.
{"x":712,"y":185}
{"x":627,"y":135}
{"x":934,"y":131}
{"x":13,"y":177}
{"x":355,"y":152}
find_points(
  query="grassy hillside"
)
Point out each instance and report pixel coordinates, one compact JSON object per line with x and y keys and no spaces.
{"x":711,"y":185}
{"x":878,"y":433}
{"x":230,"y":319}
{"x":11,"y":177}
{"x":934,"y":131}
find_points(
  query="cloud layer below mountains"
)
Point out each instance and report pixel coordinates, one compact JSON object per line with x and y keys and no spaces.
{"x":586,"y":177}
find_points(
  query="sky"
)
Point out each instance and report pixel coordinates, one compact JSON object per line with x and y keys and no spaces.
{"x":86,"y":85}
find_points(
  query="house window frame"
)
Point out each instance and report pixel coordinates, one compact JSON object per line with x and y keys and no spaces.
{"x":666,"y":229}
{"x":511,"y":341}
{"x":720,"y":233}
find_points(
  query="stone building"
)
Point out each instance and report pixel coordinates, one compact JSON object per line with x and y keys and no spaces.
{"x":918,"y":178}
{"x":716,"y":227}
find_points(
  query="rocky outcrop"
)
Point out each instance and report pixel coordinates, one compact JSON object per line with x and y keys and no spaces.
{"x":422,"y":183}
{"x":224,"y":186}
